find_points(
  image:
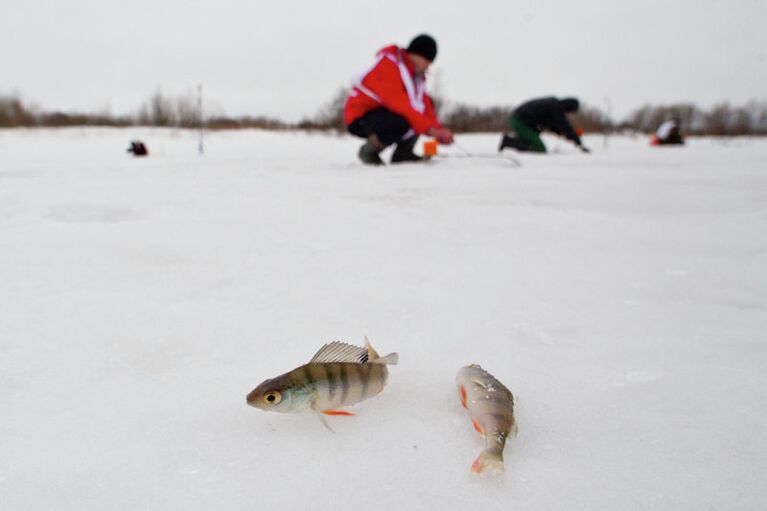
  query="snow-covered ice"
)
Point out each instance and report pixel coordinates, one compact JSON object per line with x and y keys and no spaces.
{"x":620,"y":295}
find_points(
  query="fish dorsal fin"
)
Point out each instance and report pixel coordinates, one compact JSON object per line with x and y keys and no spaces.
{"x":372,"y":354}
{"x":337,"y":351}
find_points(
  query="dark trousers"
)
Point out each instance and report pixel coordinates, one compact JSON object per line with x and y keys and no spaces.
{"x":388,"y":126}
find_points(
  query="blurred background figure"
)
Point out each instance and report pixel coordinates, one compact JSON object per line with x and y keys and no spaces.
{"x":138,"y":148}
{"x":668,"y":134}
{"x":529,"y":119}
{"x":389,"y":105}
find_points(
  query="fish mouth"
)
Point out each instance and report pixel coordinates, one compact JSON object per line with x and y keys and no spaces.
{"x":251,"y":399}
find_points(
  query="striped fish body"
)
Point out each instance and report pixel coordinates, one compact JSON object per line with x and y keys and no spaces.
{"x":328,"y":386}
{"x":491,"y":408}
{"x":338,"y":375}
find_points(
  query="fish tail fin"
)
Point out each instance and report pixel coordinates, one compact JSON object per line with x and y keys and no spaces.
{"x":375,"y":358}
{"x":390,"y":359}
{"x":489,"y":458}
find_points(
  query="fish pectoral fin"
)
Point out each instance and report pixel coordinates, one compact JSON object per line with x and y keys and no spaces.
{"x":322,"y":419}
{"x":478,"y":428}
{"x":338,"y":412}
{"x":462,"y":392}
{"x":325,"y":423}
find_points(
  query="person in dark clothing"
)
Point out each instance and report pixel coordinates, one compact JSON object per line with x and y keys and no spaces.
{"x":138,"y":148}
{"x":536,"y":115}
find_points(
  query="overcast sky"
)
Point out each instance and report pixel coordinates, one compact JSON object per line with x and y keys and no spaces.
{"x":286,"y":59}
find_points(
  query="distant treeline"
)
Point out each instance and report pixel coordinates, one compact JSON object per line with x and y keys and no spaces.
{"x":183,"y":112}
{"x":159,"y":110}
{"x":723,"y":119}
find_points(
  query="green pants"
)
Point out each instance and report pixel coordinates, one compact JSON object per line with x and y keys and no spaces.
{"x":527,"y":134}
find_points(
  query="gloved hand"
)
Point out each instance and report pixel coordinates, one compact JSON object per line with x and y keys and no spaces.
{"x":443,"y":135}
{"x":584,"y":149}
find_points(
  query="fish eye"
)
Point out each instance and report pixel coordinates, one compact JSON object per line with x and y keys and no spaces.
{"x":272,"y":398}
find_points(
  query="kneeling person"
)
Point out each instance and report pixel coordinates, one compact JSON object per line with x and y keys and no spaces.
{"x":389,"y":105}
{"x":536,"y":115}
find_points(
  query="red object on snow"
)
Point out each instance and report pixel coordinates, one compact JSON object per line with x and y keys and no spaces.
{"x":391,"y":83}
{"x":429,"y":148}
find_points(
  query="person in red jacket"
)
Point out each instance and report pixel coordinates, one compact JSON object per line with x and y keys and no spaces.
{"x":388,"y":104}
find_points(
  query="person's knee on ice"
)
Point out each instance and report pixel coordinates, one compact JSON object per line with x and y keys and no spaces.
{"x":518,"y":144}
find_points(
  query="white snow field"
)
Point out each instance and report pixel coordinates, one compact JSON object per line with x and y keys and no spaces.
{"x":620,"y":295}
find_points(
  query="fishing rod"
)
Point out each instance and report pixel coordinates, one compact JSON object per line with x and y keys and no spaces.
{"x":488,"y":156}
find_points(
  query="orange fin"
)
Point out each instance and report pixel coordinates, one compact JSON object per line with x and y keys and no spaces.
{"x":463,"y":396}
{"x":337,"y":412}
{"x":487,"y":460}
{"x":478,"y":427}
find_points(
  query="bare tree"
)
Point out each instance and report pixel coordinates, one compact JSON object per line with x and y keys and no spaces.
{"x":591,"y":120}
{"x":186,"y":113}
{"x":14,"y":113}
{"x":330,"y":115}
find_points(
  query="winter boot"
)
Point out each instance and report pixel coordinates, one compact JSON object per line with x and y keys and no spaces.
{"x":370,"y":151}
{"x":404,"y":151}
{"x":514,"y":143}
{"x":506,"y":141}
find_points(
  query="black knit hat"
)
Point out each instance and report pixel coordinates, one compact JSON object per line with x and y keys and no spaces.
{"x":570,"y":104}
{"x":425,"y":46}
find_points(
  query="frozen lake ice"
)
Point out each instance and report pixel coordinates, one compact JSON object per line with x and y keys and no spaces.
{"x":620,"y":295}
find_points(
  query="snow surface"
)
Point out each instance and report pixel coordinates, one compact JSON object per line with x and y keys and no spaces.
{"x":619,"y":295}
